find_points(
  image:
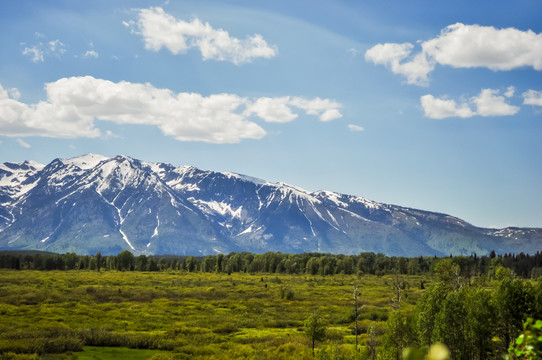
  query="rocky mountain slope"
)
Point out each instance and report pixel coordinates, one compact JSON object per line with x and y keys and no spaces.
{"x":94,"y":203}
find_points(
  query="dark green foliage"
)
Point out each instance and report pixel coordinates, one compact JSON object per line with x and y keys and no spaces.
{"x":514,"y":301}
{"x":125,"y":261}
{"x":449,"y":270}
{"x":474,"y":319}
{"x":399,"y":334}
{"x":315,"y":328}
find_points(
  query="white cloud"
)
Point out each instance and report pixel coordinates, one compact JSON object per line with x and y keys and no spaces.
{"x":14,"y":93}
{"x":467,"y":46}
{"x":532,"y":97}
{"x":110,"y":135}
{"x":24,"y":144}
{"x":272,"y":109}
{"x":35,"y":53}
{"x":487,"y":103}
{"x":462,"y":46}
{"x":57,"y":47}
{"x":280,"y":109}
{"x":394,"y":56}
{"x":355,"y":128}
{"x":73,"y":105}
{"x":91,"y":53}
{"x":160,"y":29}
{"x":510,"y":91}
{"x":325,"y":109}
{"x":436,"y":108}
{"x":41,"y":50}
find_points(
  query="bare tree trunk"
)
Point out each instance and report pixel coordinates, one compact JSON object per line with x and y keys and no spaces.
{"x":356,"y":313}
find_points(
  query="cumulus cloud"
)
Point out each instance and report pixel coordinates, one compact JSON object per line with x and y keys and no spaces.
{"x":487,"y":103}
{"x":462,"y":46}
{"x":438,"y":108}
{"x":160,"y":29}
{"x":397,"y":57}
{"x":325,"y":109}
{"x":280,"y":109}
{"x":13,"y":93}
{"x":532,"y":97}
{"x":74,"y":104}
{"x":355,"y":128}
{"x":272,"y":109}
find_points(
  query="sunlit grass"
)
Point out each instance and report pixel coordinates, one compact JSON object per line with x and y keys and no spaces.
{"x":117,"y":353}
{"x":188,"y":315}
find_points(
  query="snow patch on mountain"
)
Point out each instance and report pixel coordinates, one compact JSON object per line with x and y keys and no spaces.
{"x":215,"y":207}
{"x":246,"y":178}
{"x":15,"y":178}
{"x":155,"y":233}
{"x":85,"y":162}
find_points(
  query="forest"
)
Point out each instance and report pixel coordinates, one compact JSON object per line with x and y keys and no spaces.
{"x":269,"y":306}
{"x":523,"y":265}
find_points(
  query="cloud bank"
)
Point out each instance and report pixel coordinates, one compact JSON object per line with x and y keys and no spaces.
{"x":461,"y":46}
{"x":488,"y":103}
{"x":74,"y":104}
{"x":160,"y":29}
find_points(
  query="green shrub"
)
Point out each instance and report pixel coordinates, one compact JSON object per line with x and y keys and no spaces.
{"x":13,"y":356}
{"x":226,"y":328}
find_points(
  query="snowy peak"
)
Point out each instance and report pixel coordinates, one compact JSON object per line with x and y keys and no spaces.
{"x":246,"y":178}
{"x":21,"y":166}
{"x":96,"y":203}
{"x":18,"y":178}
{"x":85,"y":162}
{"x":12,"y":173}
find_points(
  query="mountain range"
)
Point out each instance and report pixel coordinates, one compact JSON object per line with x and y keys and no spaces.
{"x":95,"y":203}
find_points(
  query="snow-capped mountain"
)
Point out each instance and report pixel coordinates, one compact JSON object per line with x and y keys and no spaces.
{"x":94,"y":203}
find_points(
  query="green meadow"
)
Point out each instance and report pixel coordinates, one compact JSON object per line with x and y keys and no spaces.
{"x":181,"y":314}
{"x":186,"y":315}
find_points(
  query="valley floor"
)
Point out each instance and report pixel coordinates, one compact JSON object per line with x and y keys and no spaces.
{"x":187,"y":315}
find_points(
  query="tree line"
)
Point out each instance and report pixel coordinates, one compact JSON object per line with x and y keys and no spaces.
{"x":523,"y":265}
{"x":478,"y":319}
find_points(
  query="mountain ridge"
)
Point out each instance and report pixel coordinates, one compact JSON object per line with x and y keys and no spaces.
{"x":95,"y":203}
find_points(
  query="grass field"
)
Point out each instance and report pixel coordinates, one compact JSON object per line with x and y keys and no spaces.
{"x":186,"y":315}
{"x":117,"y":353}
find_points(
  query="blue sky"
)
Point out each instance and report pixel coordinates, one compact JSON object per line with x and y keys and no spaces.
{"x":425,"y":104}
